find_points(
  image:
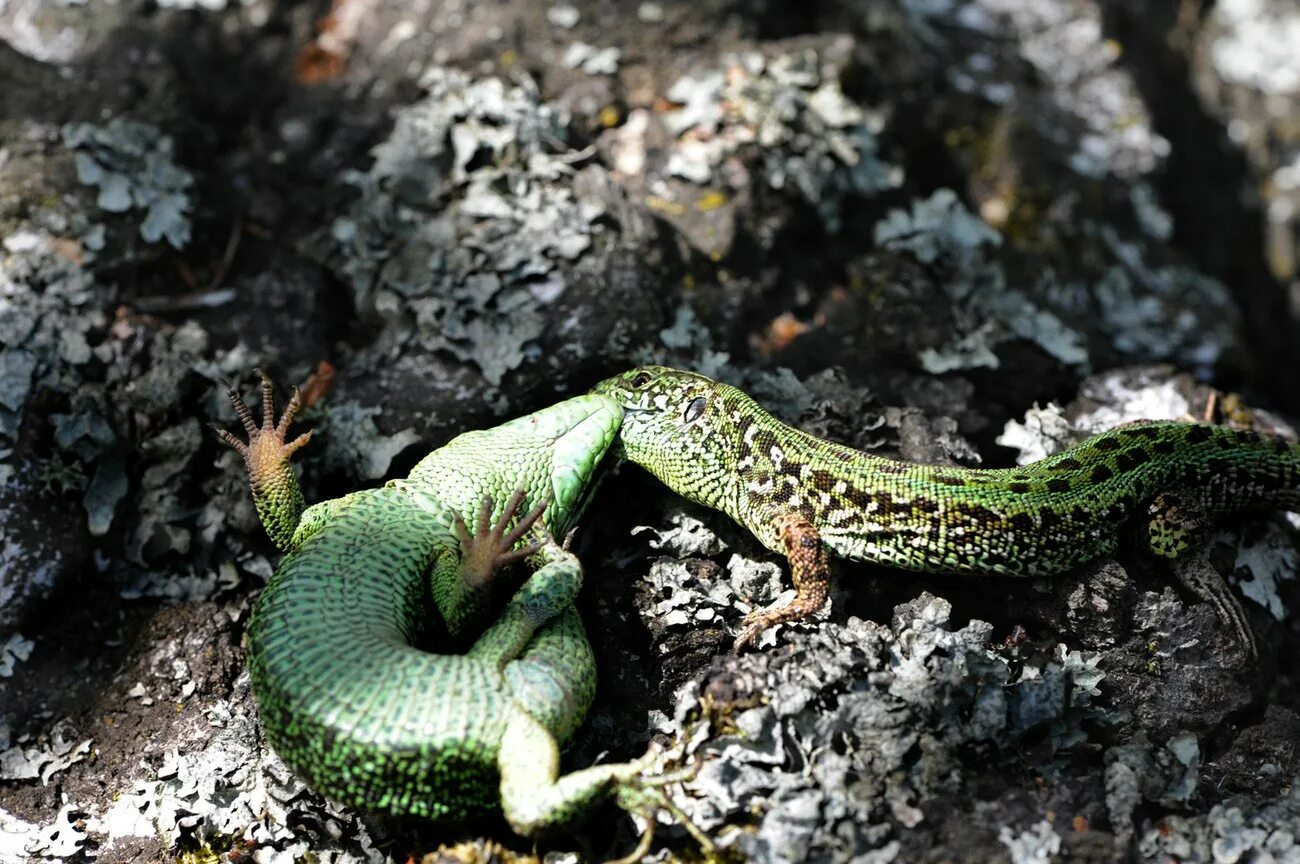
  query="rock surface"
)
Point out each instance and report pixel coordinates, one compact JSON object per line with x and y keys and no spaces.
{"x":956,"y":231}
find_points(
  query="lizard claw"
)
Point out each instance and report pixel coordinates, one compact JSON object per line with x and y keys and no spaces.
{"x":491,"y":547}
{"x":643,"y":795}
{"x":266,"y":451}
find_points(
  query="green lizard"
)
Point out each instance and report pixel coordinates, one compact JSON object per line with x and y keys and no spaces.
{"x":802,"y":496}
{"x":344,"y":696}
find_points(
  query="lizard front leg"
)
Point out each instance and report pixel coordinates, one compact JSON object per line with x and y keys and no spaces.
{"x":276,"y":492}
{"x":551,"y":589}
{"x":462,"y":584}
{"x":810,"y":570}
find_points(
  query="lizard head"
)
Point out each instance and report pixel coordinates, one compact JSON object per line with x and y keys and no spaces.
{"x":677,"y":426}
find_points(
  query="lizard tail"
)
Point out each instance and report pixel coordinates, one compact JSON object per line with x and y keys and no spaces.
{"x":345,"y":698}
{"x":1245,"y":467}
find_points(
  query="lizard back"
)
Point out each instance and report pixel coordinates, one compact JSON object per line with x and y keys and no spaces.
{"x":716,"y":445}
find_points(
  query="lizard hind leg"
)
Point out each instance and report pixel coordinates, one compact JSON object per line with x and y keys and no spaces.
{"x":555,"y":677}
{"x":551,"y":685}
{"x":1179,"y":531}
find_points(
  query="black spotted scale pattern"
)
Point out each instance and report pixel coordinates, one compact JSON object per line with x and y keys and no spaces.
{"x":1042,"y":518}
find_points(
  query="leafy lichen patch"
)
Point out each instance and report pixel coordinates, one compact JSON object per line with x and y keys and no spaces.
{"x":133,"y":166}
{"x":468,"y":222}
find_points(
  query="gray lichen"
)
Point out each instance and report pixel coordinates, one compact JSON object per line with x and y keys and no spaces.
{"x":1266,"y":560}
{"x":1246,"y":73}
{"x":354,"y":444}
{"x":787,"y":114}
{"x":134,"y":167}
{"x":13,"y":651}
{"x":1229,"y":834}
{"x":939,"y":231}
{"x":590,"y":59}
{"x":45,"y":758}
{"x":1256,"y":46}
{"x":1168,"y":312}
{"x":1044,"y":431}
{"x":467,"y":222}
{"x":859,"y":726}
{"x":1140,"y":771}
{"x":51,"y":309}
{"x":1066,"y":45}
{"x":58,"y":841}
{"x":1039,"y":844}
{"x":218,"y":781}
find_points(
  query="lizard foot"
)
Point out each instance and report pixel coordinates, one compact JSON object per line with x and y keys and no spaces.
{"x":266,"y":454}
{"x":643,"y":795}
{"x":810,"y":569}
{"x":491,"y":546}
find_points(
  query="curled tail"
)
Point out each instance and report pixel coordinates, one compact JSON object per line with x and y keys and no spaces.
{"x":345,"y":699}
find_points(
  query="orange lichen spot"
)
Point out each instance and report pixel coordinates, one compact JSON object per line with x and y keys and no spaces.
{"x":318,"y":384}
{"x":315,"y":65}
{"x":780,"y":332}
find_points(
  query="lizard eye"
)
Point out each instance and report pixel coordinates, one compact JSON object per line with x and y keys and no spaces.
{"x":695,"y":409}
{"x":641,"y":379}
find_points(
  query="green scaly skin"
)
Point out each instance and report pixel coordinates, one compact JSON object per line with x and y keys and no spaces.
{"x":802,"y":495}
{"x":373,"y":722}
